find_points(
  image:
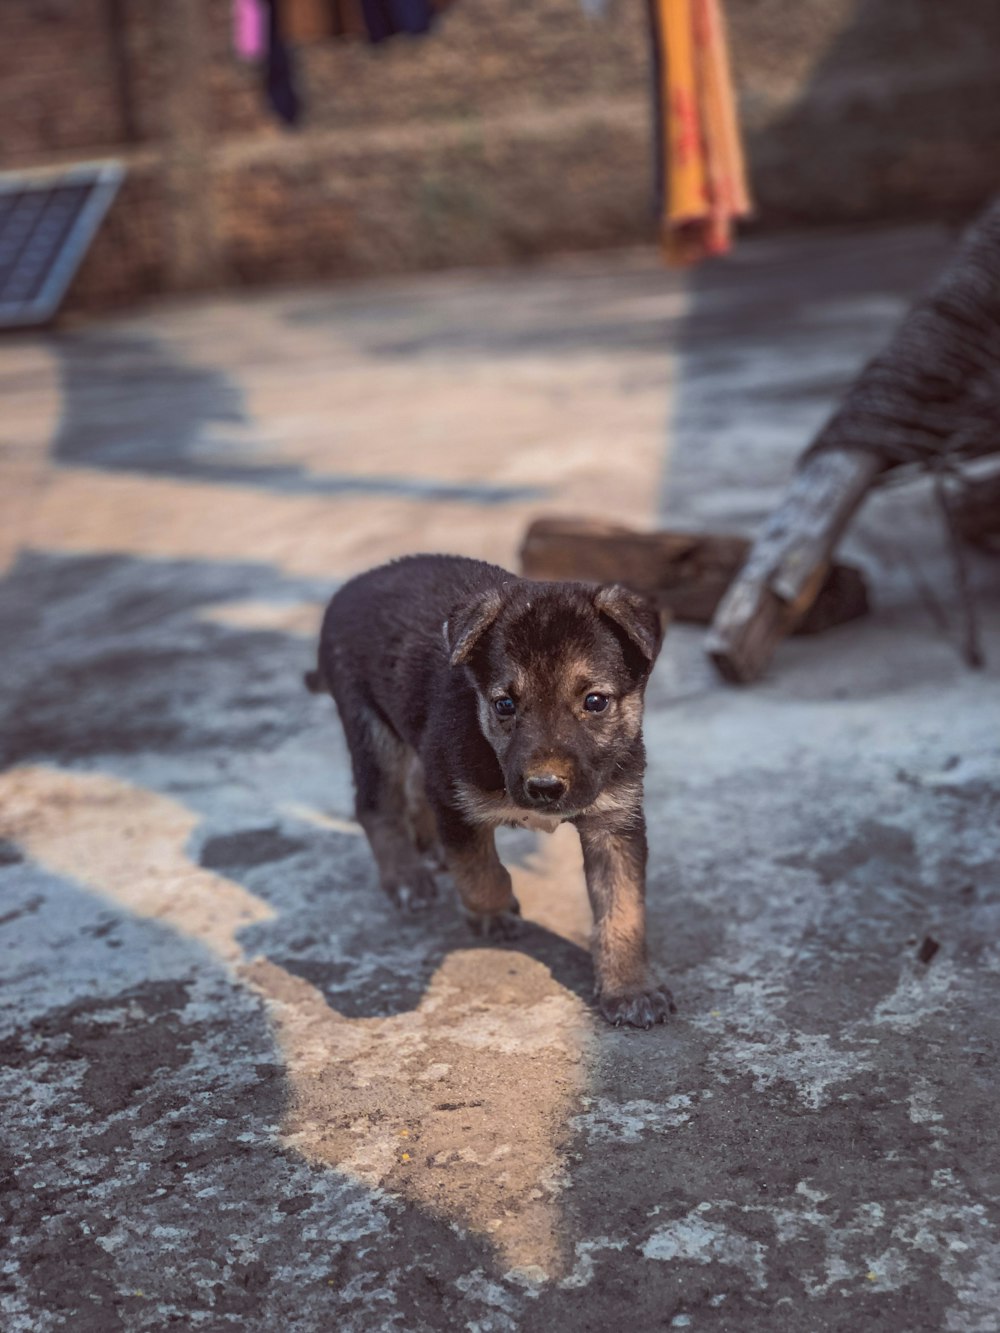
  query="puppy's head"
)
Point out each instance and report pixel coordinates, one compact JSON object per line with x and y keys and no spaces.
{"x":559,"y":671}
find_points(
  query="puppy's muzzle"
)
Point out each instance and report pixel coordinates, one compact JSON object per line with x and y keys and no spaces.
{"x":545,"y":789}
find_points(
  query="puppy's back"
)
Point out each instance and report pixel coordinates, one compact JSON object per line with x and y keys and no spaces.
{"x":382,"y":632}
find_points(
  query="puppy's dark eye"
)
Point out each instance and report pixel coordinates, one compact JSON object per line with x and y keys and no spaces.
{"x":596,"y":703}
{"x":505,"y":706}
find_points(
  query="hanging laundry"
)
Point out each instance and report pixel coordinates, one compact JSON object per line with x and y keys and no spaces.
{"x":279,"y":72}
{"x":701,"y":178}
{"x":322,"y":20}
{"x":386,"y":18}
{"x":258,"y":38}
{"x":265,"y":30}
{"x":308,"y":20}
{"x":348,"y":20}
{"x":249,"y":29}
{"x":378,"y":20}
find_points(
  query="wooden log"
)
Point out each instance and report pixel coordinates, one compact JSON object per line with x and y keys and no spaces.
{"x":687,"y":573}
{"x":789,"y":563}
{"x":843,"y":597}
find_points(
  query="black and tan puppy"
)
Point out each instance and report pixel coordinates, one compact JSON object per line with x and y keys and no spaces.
{"x":472,"y":698}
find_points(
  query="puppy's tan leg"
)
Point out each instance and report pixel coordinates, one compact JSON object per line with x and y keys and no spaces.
{"x":614,"y":858}
{"x":381,"y":763}
{"x":483,"y":884}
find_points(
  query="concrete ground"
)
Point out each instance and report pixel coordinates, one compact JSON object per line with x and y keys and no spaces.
{"x":239,"y":1092}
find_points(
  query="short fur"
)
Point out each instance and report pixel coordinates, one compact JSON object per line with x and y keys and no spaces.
{"x":415,"y":654}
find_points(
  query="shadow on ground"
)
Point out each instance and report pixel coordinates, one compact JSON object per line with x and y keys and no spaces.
{"x":240,"y":1093}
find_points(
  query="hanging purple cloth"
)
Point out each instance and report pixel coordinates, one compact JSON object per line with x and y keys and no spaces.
{"x":259,"y":33}
{"x":412,"y":16}
{"x":386,"y":18}
{"x":279,"y":76}
{"x":249,"y":29}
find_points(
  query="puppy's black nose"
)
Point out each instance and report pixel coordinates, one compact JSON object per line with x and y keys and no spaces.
{"x":545,"y":789}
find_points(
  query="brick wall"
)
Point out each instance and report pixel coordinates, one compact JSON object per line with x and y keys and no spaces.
{"x":859,"y":110}
{"x":57,"y":89}
{"x":517,"y":127}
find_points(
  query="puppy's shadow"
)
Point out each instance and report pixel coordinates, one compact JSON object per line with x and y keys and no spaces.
{"x":334,"y":929}
{"x":381,"y":979}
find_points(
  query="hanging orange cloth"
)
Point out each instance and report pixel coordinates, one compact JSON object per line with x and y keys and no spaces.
{"x":702,"y":171}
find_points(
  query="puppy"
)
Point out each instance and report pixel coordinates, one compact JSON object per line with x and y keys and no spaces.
{"x":471,"y":698}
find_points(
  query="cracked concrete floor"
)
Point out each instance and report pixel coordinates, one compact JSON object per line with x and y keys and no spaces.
{"x":240,"y":1093}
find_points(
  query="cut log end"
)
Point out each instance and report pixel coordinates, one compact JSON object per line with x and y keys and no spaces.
{"x":779,"y":588}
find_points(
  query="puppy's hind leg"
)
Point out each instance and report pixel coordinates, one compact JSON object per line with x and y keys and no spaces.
{"x":422,"y":821}
{"x":381,"y":762}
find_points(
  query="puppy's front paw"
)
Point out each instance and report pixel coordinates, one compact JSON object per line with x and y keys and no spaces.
{"x":637,"y":1008}
{"x":506,"y":925}
{"x":416,"y":894}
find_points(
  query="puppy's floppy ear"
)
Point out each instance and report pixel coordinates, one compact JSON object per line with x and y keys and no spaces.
{"x":467,"y":624}
{"x":635,"y":616}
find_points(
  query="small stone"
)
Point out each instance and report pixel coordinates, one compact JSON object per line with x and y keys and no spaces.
{"x":928,"y":948}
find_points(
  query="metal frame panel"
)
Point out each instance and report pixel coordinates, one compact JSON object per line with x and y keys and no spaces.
{"x":40,"y":190}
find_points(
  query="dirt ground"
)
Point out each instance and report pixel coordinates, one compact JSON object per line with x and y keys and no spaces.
{"x":239,"y":1092}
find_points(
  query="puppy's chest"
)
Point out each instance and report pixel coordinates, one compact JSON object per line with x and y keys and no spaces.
{"x":528,"y":819}
{"x":486,"y":808}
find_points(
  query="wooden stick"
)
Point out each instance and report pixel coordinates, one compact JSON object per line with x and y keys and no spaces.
{"x":789,"y":563}
{"x":919,"y":401}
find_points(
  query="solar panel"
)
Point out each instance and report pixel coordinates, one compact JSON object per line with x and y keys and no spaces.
{"x":47,"y":221}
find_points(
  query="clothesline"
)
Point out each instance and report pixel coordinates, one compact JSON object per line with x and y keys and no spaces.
{"x":701,"y":188}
